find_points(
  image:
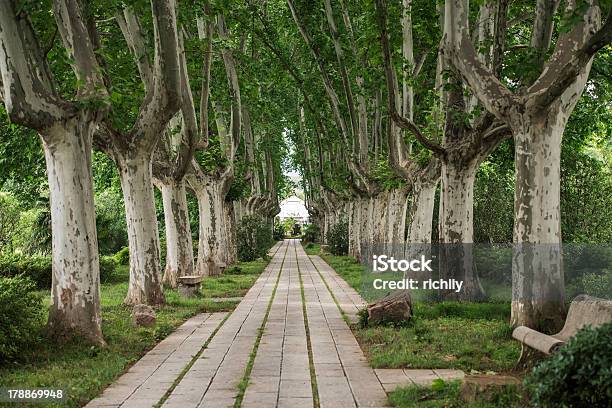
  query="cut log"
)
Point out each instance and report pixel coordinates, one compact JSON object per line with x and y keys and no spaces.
{"x":143,"y":315}
{"x":485,"y":387}
{"x":394,"y":308}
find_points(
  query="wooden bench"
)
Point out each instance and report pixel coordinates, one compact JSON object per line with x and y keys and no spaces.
{"x":189,"y":286}
{"x":584,"y":310}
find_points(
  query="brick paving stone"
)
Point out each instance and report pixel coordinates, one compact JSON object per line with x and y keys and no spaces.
{"x":358,"y":386}
{"x":152,"y":376}
{"x":213,"y":379}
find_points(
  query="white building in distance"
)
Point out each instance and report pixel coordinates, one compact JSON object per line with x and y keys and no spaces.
{"x":293,"y":207}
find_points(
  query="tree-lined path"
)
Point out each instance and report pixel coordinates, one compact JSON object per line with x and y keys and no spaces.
{"x":287,"y":339}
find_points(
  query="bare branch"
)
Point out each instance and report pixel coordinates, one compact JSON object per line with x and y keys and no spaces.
{"x":234,"y":89}
{"x":329,"y":13}
{"x":331,"y":93}
{"x":420,"y":62}
{"x":206,"y":34}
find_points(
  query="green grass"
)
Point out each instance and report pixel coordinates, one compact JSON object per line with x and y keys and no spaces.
{"x":236,"y":280}
{"x":448,"y":395}
{"x":466,"y":343}
{"x":466,"y":336}
{"x":83,"y":371}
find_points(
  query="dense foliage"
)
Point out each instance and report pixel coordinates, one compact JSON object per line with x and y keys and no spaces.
{"x":578,"y":375}
{"x":279,"y":231}
{"x":21,"y":315}
{"x":311,"y":233}
{"x":338,"y":238}
{"x":253,"y":238}
{"x":38,"y":268}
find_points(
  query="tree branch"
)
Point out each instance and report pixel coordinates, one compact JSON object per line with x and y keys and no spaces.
{"x":77,"y":42}
{"x":189,"y":129}
{"x":392,"y":89}
{"x":206,"y":33}
{"x":234,"y":90}
{"x":574,"y":51}
{"x":166,"y":92}
{"x":495,"y":97}
{"x":28,"y":92}
{"x":132,"y":32}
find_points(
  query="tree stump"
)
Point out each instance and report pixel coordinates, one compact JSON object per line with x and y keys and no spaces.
{"x":143,"y":315}
{"x":393,"y":308}
{"x":485,"y":387}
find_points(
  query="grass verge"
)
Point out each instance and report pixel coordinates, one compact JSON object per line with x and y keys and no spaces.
{"x":448,"y":395}
{"x":83,"y":371}
{"x":474,"y":337}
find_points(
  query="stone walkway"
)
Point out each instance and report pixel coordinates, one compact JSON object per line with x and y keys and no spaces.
{"x":286,"y":344}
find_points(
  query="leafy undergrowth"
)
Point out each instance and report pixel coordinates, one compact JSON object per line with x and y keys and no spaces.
{"x":448,"y":395}
{"x":83,"y":371}
{"x":467,"y":336}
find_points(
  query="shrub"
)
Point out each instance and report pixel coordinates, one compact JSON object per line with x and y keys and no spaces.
{"x":288,"y":224}
{"x":110,"y":221}
{"x":123,"y":256}
{"x":39,"y":270}
{"x":40,"y":239}
{"x":337,"y":238}
{"x":578,"y":375}
{"x":279,"y":232}
{"x":9,"y":219}
{"x":253,"y":238}
{"x":108,"y":267}
{"x":21,"y":315}
{"x":311,"y":233}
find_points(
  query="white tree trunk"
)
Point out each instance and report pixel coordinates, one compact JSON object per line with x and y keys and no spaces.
{"x":179,"y":244}
{"x":143,"y":235}
{"x":355,"y":228}
{"x":366,"y":226}
{"x":230,"y":234}
{"x":211,"y":257}
{"x":396,"y":222}
{"x":421,"y":212}
{"x":457,"y":229}
{"x":538,"y":284}
{"x":379,"y":221}
{"x":457,"y":204}
{"x":75,"y":289}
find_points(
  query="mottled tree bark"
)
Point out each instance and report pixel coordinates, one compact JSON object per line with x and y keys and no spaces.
{"x":75,"y":288}
{"x":179,"y":244}
{"x":143,"y":235}
{"x":133,"y":151}
{"x":66,"y":130}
